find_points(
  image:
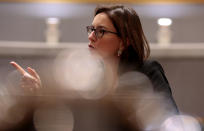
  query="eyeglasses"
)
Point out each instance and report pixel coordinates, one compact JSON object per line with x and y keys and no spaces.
{"x":99,"y":32}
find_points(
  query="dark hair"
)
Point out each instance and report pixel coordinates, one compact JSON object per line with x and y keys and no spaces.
{"x":127,"y":24}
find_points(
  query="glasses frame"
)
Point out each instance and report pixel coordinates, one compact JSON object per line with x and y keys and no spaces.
{"x":97,"y":31}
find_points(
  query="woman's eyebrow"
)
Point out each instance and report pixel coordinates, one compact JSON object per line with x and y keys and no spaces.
{"x":100,"y":26}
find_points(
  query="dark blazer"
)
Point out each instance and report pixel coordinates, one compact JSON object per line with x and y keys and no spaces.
{"x":154,"y":71}
{"x":147,"y":89}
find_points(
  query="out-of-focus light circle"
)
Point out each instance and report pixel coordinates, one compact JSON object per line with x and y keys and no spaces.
{"x":82,"y":71}
{"x":181,"y":123}
{"x":164,"y":21}
{"x":52,"y":20}
{"x":10,"y":113}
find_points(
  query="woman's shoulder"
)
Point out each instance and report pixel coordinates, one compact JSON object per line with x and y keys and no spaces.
{"x":149,"y":65}
{"x":154,"y":71}
{"x":150,"y":69}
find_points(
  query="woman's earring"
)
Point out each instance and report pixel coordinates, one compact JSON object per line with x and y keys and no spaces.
{"x":119,"y":52}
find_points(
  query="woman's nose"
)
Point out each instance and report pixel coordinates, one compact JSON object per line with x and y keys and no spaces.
{"x":92,"y":37}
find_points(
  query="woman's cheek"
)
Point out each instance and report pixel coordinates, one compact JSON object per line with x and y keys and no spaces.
{"x":107,"y":48}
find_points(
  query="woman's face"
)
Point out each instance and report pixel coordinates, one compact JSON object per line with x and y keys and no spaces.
{"x":107,"y":45}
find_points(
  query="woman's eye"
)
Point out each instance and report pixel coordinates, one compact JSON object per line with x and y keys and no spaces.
{"x":101,"y":31}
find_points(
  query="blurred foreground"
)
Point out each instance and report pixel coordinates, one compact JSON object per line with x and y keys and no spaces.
{"x":79,"y":95}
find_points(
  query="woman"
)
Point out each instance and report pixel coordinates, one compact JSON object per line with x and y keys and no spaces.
{"x":117,"y":35}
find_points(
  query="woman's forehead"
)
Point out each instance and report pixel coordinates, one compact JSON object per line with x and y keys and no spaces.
{"x":102,"y":20}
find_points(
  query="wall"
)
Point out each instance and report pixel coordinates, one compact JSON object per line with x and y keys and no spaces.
{"x":26,"y":21}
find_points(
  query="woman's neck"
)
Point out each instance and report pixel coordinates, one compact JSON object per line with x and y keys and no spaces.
{"x":112,"y":66}
{"x":113,"y":62}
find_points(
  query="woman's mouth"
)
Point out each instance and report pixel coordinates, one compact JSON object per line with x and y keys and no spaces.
{"x":91,"y":46}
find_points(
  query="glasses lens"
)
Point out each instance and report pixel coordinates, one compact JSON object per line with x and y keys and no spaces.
{"x":89,"y":29}
{"x":99,"y":32}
